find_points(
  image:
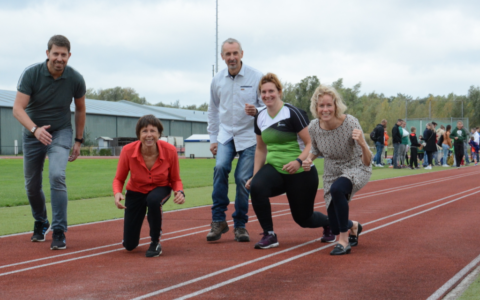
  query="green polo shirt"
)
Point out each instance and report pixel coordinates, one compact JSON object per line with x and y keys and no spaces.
{"x":50,"y":98}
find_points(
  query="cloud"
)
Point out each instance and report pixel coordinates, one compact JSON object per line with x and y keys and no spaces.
{"x":165,"y":49}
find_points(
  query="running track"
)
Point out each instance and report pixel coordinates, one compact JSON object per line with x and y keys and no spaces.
{"x":419,"y":232}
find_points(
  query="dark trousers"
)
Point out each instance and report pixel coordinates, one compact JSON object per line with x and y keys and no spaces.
{"x":338,"y":209}
{"x":459,"y":152}
{"x":301,"y":189}
{"x":429,"y":155}
{"x":413,"y":157}
{"x":137,"y":204}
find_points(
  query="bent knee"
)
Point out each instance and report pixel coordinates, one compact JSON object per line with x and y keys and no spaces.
{"x":130,"y":246}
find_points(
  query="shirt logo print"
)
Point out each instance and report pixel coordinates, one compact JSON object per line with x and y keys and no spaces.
{"x":279,"y":124}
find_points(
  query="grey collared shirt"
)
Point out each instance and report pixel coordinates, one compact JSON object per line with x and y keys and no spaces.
{"x":227,"y":119}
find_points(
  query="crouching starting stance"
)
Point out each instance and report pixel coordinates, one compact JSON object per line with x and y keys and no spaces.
{"x":283,"y":143}
{"x":154,"y":173}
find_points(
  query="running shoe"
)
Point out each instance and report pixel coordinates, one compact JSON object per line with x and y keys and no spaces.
{"x":40,"y":230}
{"x":267,"y":241}
{"x":59,"y":242}
{"x":428,"y":168}
{"x":154,"y":250}
{"x":328,"y":236}
{"x":446,"y":166}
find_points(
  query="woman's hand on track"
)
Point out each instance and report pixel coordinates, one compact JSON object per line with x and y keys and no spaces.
{"x":247,"y":185}
{"x":179,"y":198}
{"x":307,"y":164}
{"x":292,"y":167}
{"x":119,"y":197}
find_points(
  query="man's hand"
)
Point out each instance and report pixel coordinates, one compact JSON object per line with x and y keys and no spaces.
{"x":250,"y":110}
{"x":75,"y":152}
{"x":43,"y":135}
{"x":119,"y":197}
{"x":456,"y":137}
{"x":248,"y":183}
{"x":213,"y":148}
{"x":179,"y":198}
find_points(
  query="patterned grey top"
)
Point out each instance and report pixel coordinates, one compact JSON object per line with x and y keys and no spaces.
{"x":342,"y":155}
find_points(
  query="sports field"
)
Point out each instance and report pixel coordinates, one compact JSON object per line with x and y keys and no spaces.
{"x":400,"y":215}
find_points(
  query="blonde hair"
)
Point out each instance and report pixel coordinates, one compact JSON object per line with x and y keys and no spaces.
{"x":323,"y":90}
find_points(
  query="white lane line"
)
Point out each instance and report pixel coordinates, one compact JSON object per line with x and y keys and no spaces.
{"x":205,"y":290}
{"x":275,"y":214}
{"x":208,"y":205}
{"x":280,"y":252}
{"x":454,"y":280}
{"x":105,"y":221}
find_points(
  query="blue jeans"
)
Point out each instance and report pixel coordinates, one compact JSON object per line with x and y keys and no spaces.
{"x":244,"y":171}
{"x":34,"y":153}
{"x":396,"y":148}
{"x":446,"y":149}
{"x":378,"y":156}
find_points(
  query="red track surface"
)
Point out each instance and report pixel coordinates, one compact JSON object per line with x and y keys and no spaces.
{"x":400,"y":255}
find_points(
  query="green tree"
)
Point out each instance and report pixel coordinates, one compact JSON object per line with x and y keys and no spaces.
{"x":115,"y":94}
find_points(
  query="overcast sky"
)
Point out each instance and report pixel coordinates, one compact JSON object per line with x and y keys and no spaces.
{"x":165,"y":49}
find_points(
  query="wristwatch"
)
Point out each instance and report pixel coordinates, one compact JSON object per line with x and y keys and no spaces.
{"x":33,"y":130}
{"x":181,"y":192}
{"x":79,"y":140}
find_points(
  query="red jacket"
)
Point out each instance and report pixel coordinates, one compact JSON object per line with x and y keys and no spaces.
{"x":165,"y":170}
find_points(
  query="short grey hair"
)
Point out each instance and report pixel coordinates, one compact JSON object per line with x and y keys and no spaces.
{"x":231,"y":41}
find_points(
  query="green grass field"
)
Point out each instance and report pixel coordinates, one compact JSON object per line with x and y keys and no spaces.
{"x":90,"y":193}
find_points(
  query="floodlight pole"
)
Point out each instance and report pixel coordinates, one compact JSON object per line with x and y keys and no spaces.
{"x":216,"y":38}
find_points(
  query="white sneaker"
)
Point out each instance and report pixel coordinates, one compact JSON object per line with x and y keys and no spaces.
{"x":428,"y":168}
{"x":445,"y":166}
{"x":380,"y":166}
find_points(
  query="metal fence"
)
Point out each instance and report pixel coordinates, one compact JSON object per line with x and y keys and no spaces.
{"x":420,"y":124}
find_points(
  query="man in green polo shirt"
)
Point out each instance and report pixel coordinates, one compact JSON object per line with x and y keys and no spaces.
{"x":42,"y":105}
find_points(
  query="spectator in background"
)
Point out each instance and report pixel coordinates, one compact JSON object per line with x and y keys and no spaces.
{"x":440,"y":136}
{"x":403,"y":145}
{"x":413,"y":148}
{"x":459,"y":135}
{"x":431,"y":145}
{"x":379,"y":142}
{"x":385,"y":137}
{"x":420,"y":150}
{"x":476,"y":139}
{"x":446,"y":145}
{"x":434,"y":155}
{"x":465,"y":148}
{"x":474,"y":149}
{"x":397,"y":141}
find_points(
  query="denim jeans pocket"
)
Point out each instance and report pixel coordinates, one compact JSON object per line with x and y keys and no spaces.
{"x":62,"y":138}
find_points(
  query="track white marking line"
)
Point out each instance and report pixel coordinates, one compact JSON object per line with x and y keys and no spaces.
{"x":304,"y":254}
{"x":275,"y":214}
{"x":189,"y":208}
{"x":287,"y":250}
{"x":454,"y":280}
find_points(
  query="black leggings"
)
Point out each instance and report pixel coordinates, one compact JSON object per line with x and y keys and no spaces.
{"x":413,"y":157}
{"x":459,"y":153}
{"x":137,"y":204}
{"x":338,"y":208}
{"x":301,"y":190}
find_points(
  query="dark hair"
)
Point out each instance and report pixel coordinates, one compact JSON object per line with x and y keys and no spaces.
{"x":59,"y":41}
{"x":148,"y":120}
{"x":449,"y":127}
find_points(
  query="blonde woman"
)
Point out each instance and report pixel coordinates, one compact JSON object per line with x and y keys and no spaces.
{"x":339,"y":139}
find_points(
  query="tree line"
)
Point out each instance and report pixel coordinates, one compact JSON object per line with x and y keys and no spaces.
{"x":369,"y":108}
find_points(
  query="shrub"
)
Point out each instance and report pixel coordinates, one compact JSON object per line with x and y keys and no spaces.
{"x":105,"y":152}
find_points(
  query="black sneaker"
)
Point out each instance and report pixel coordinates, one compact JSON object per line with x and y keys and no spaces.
{"x":58,"y":242}
{"x":40,"y":230}
{"x":154,"y":250}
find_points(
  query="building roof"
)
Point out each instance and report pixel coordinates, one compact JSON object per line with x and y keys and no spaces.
{"x":123,"y":108}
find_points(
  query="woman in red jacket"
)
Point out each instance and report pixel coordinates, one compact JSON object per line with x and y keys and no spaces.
{"x":154,"y":173}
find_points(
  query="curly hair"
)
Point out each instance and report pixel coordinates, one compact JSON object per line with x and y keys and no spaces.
{"x":272,"y":78}
{"x":323,"y":90}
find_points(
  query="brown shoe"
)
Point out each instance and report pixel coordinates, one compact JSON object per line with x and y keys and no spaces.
{"x":241,"y":235}
{"x":217,"y":229}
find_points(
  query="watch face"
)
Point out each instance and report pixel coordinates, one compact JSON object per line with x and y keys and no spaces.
{"x":33,"y":129}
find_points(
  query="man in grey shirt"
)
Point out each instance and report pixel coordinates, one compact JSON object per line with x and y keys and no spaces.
{"x":234,"y":99}
{"x":42,"y":105}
